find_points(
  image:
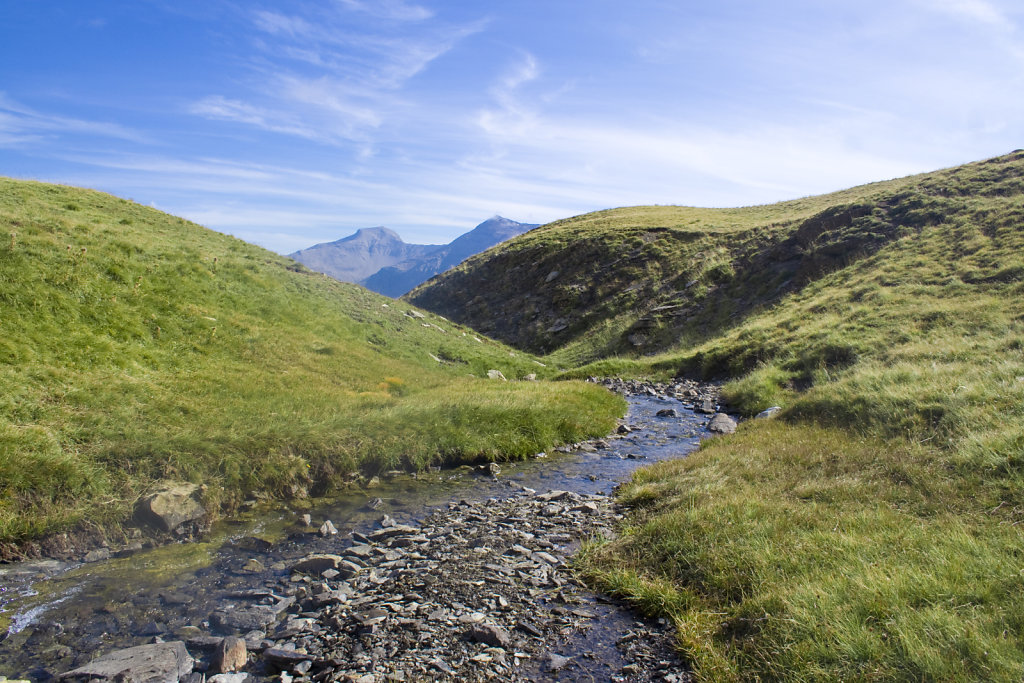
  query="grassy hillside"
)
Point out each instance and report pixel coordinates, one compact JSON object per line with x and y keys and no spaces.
{"x":135,"y":346}
{"x":873,"y":530}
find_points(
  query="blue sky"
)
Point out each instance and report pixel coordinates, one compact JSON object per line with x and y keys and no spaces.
{"x":292,"y":123}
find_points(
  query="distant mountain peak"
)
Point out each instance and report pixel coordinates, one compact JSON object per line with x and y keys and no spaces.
{"x":380,"y":260}
{"x":379,"y":233}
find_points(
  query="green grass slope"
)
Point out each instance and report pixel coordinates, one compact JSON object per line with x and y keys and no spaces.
{"x":136,"y":346}
{"x":872,"y":531}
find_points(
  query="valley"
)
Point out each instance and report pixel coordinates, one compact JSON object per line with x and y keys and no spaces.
{"x":868,"y":529}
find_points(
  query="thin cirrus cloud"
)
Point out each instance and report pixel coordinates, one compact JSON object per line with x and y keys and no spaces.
{"x":333,"y":85}
{"x":22,"y":124}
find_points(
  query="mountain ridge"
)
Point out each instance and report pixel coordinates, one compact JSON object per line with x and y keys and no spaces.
{"x":381,"y":261}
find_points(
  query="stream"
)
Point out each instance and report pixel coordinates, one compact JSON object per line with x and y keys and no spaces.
{"x":62,"y":615}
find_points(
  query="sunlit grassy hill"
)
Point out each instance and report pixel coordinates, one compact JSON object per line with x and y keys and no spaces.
{"x":871,"y":531}
{"x":136,"y":346}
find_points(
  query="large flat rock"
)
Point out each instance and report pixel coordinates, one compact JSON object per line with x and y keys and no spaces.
{"x":156,"y":663}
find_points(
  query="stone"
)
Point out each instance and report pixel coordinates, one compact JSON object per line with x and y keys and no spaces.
{"x":495,"y":636}
{"x":722,"y":424}
{"x":316,"y":564}
{"x":531,"y":377}
{"x":306,"y":519}
{"x":175,"y":504}
{"x":769,"y":412}
{"x":228,"y":678}
{"x":230,"y":655}
{"x":666,"y":412}
{"x":254,"y":565}
{"x":156,"y":663}
{"x":496,"y":374}
{"x":557,"y":662}
{"x":559,"y":325}
{"x":246,"y":618}
{"x":707,"y":407}
{"x":396,"y":530}
{"x":328,"y":529}
{"x":97,"y":555}
{"x":285,"y":658}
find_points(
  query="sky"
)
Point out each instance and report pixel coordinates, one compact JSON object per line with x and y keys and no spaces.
{"x":292,"y":123}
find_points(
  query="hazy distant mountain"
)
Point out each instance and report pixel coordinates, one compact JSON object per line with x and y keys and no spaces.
{"x":357,"y":256}
{"x":402,"y":277}
{"x":378,"y":259}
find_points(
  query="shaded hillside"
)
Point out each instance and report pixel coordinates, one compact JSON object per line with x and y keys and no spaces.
{"x":641,"y":280}
{"x":361,"y":254}
{"x":399,"y":279}
{"x":136,"y":346}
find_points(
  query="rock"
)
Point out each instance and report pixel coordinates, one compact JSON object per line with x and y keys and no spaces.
{"x":492,"y":468}
{"x":97,"y":555}
{"x":327,"y":529}
{"x":495,"y":636}
{"x":722,"y":424}
{"x":532,"y":377}
{"x":551,"y":276}
{"x":254,"y":565}
{"x":316,"y":564}
{"x":244,"y":619}
{"x":496,"y":374}
{"x":228,"y":678}
{"x":284,"y":658}
{"x":414,"y":314}
{"x":557,"y":662}
{"x":231,"y":655}
{"x":253,"y":544}
{"x":769,"y":412}
{"x":306,"y":519}
{"x":396,"y":530}
{"x":374,"y":504}
{"x":623,"y":429}
{"x":559,"y":325}
{"x":667,"y":412}
{"x":175,"y":504}
{"x":156,"y":663}
{"x":707,"y":407}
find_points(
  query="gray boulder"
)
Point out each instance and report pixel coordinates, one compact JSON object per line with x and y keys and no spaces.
{"x":176,"y":503}
{"x":156,"y":663}
{"x":722,"y":424}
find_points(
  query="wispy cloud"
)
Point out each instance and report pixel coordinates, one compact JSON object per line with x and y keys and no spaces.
{"x":20,"y":124}
{"x":321,"y":78}
{"x":981,"y":11}
{"x":511,"y":115}
{"x":395,"y":10}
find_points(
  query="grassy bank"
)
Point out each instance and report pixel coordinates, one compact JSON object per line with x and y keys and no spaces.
{"x":136,"y":346}
{"x":872,"y":530}
{"x":792,"y":552}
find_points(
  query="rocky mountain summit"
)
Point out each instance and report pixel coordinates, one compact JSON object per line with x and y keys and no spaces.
{"x":380,"y":260}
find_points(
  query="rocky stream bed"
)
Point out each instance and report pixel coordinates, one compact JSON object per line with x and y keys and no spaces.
{"x":453,"y":575}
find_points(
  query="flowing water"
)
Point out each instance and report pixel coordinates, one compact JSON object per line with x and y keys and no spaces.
{"x":60,"y":615}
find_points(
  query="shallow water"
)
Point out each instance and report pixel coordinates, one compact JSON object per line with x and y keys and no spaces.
{"x":61,"y":615}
